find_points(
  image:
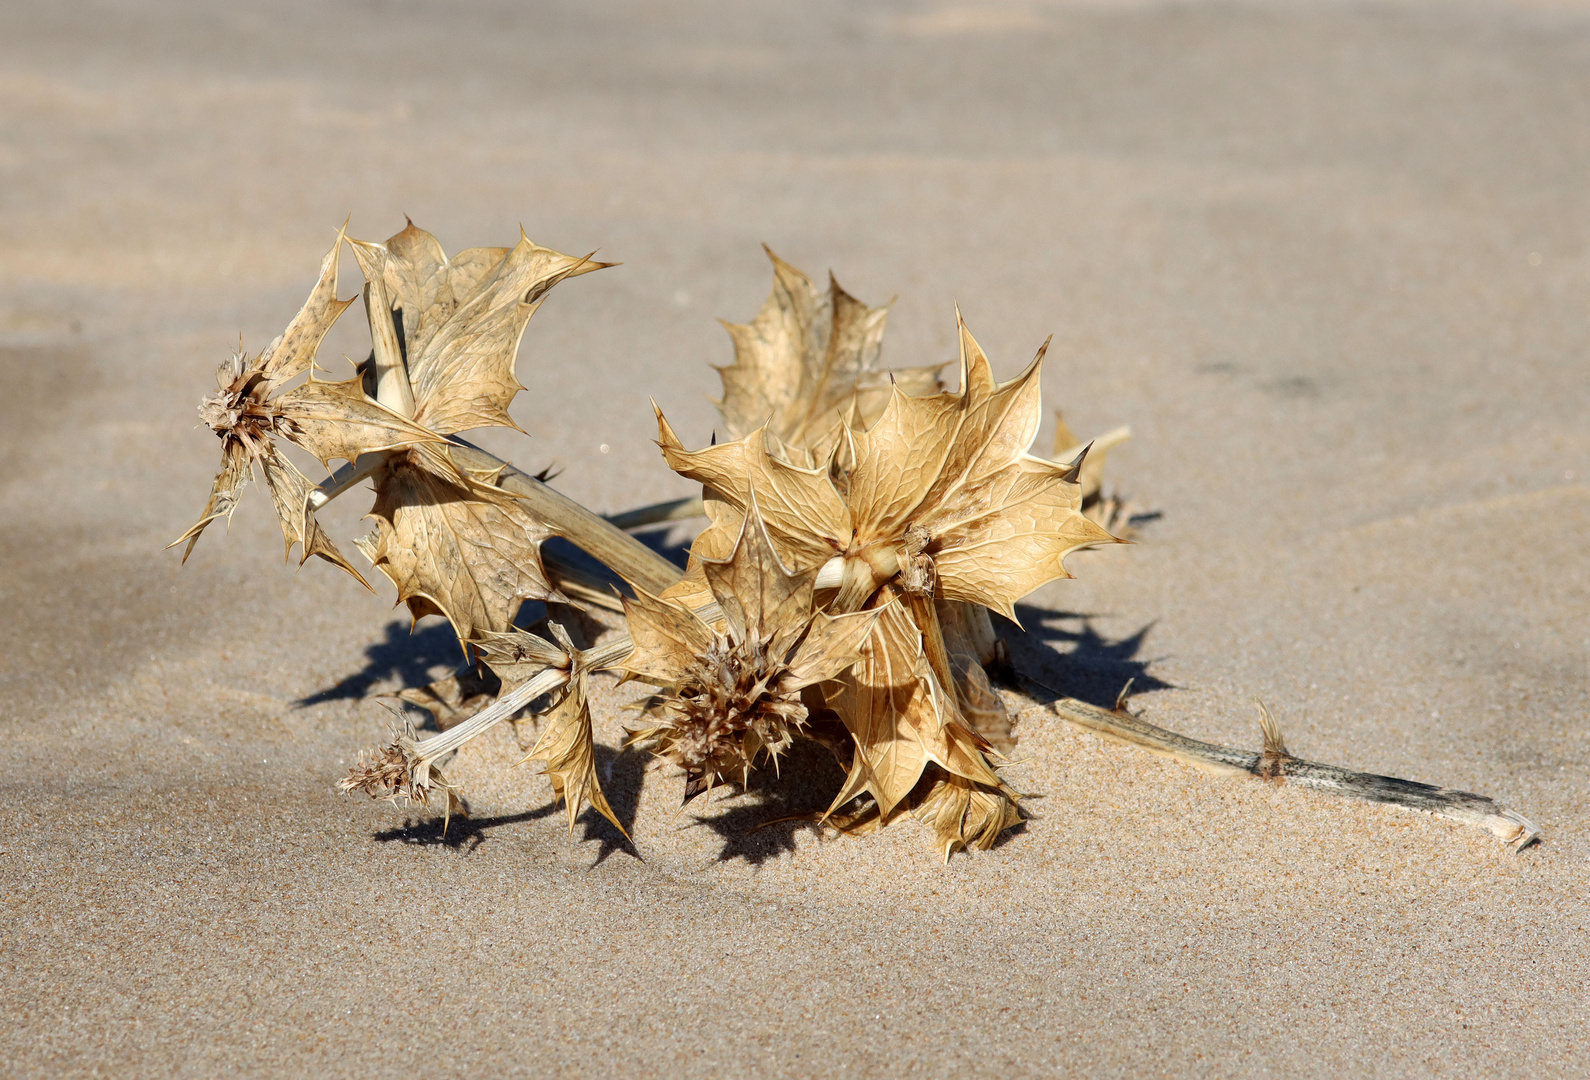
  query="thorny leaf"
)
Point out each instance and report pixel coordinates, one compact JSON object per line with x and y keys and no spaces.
{"x":733,"y":690}
{"x":808,"y":364}
{"x":289,"y":490}
{"x":980,"y":705}
{"x":471,"y":556}
{"x":965,"y":814}
{"x":945,"y":476}
{"x":896,"y":712}
{"x":568,"y":748}
{"x":334,"y":420}
{"x":462,"y":320}
{"x":454,"y":544}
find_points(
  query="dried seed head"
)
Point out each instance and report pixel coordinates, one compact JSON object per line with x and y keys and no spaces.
{"x":733,"y":702}
{"x":396,"y":772}
{"x":733,"y":690}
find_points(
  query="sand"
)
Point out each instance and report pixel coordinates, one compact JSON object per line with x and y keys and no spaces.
{"x":1328,"y":260}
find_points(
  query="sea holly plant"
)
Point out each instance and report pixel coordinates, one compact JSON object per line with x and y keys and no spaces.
{"x":863,"y":528}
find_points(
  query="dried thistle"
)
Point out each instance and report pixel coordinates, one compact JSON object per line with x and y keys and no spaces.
{"x":390,"y":774}
{"x":731,"y":689}
{"x":857,"y":540}
{"x":330,"y":420}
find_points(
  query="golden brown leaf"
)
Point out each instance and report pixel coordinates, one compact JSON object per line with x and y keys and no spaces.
{"x":568,"y":748}
{"x":897,"y":715}
{"x":224,"y":493}
{"x":289,"y":490}
{"x":468,"y":555}
{"x":805,"y":515}
{"x":335,"y":420}
{"x":808,"y":363}
{"x":293,"y":352}
{"x":455,"y":698}
{"x":462,"y":320}
{"x":964,"y":814}
{"x":980,"y":705}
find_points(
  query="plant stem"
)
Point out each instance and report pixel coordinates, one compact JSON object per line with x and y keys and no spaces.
{"x":659,"y":513}
{"x":622,"y":553}
{"x":1274,"y":763}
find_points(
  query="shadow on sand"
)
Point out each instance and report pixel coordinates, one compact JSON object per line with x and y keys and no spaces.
{"x":1069,"y":658}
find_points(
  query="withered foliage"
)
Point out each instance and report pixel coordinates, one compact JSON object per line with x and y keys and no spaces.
{"x":863,"y":524}
{"x":731,"y":689}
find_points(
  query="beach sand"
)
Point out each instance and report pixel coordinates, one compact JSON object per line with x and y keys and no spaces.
{"x":1329,"y":262}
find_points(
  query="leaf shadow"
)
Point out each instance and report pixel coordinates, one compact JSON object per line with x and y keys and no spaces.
{"x":459,"y":833}
{"x":623,"y":774}
{"x":780,"y":805}
{"x":409,"y":656}
{"x":1062,"y":650}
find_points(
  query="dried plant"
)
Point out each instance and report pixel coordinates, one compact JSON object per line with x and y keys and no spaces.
{"x":732,"y":689}
{"x":862,"y":524}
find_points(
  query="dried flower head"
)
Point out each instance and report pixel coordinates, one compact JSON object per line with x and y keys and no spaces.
{"x":331,"y":420}
{"x":946,"y":477}
{"x":731,"y":689}
{"x":390,"y":774}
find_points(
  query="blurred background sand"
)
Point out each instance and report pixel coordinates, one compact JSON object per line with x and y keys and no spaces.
{"x":1328,"y":260}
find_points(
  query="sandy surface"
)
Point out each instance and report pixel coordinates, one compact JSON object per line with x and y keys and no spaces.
{"x":1329,"y":262}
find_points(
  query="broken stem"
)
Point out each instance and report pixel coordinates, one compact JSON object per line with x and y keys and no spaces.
{"x":1274,"y":763}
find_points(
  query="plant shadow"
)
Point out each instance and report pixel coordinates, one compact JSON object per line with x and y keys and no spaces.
{"x":622,"y":773}
{"x":783,"y":803}
{"x":1066,"y":656}
{"x":410,"y":656}
{"x":460,"y":832}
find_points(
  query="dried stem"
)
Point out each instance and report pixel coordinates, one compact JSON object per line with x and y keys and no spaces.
{"x":1275,"y":764}
{"x":660,"y":513}
{"x":392,"y":387}
{"x":345,"y":478}
{"x":622,"y":553}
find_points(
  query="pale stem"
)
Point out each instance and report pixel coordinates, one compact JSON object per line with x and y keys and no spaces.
{"x":603,"y":657}
{"x":617,"y":550}
{"x":391,"y":374}
{"x":1275,"y":764}
{"x":660,"y":513}
{"x":613,"y":547}
{"x":349,"y":474}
